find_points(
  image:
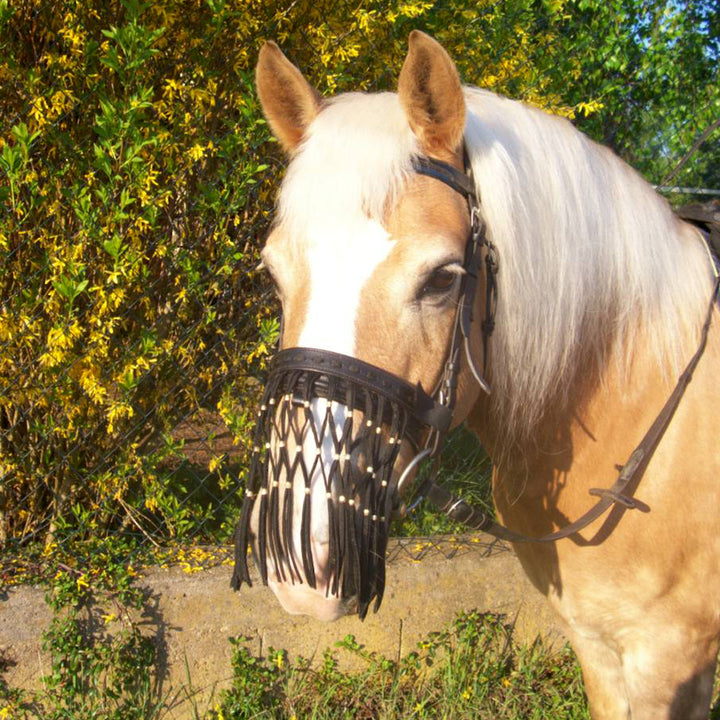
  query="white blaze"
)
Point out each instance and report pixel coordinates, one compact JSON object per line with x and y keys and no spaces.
{"x":340,"y":266}
{"x":341,"y":261}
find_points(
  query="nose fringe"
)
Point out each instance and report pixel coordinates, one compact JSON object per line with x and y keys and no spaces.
{"x":317,"y":432}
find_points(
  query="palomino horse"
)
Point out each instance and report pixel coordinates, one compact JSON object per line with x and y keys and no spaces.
{"x":599,"y":299}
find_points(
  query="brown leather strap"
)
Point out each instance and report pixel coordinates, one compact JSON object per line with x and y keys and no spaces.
{"x":425,"y":409}
{"x":462,"y":512}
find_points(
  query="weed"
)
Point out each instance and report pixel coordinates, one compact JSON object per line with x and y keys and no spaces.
{"x":472,"y":669}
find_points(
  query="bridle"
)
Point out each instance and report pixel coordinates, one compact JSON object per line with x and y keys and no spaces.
{"x":397,"y":411}
{"x":459,"y":510}
{"x":334,"y":419}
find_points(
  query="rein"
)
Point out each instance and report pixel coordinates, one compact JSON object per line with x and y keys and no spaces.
{"x":461,"y":511}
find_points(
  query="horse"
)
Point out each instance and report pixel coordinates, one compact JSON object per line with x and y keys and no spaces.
{"x":597,"y":298}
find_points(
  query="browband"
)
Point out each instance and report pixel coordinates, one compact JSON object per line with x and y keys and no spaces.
{"x":458,"y":180}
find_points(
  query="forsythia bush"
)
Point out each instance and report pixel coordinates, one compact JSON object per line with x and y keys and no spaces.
{"x":134,"y":197}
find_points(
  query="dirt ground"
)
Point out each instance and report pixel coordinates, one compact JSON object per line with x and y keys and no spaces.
{"x":191,"y":616}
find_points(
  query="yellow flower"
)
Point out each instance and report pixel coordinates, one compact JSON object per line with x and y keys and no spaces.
{"x":81,"y":582}
{"x":196,"y":152}
{"x":38,"y":111}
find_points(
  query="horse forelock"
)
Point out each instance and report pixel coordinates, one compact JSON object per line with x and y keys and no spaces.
{"x":355,"y":157}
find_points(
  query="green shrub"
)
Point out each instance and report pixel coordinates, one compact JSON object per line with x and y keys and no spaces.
{"x":134,"y":170}
{"x":136,"y":189}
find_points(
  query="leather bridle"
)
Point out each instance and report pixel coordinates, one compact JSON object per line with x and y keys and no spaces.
{"x":458,"y":509}
{"x":306,"y":373}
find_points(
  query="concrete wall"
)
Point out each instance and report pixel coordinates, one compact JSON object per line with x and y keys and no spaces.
{"x":192,"y":616}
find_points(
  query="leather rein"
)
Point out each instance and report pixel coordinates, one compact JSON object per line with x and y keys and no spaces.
{"x":478,"y":245}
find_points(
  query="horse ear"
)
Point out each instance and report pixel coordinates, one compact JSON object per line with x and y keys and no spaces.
{"x":431,"y":94}
{"x":288,"y":101}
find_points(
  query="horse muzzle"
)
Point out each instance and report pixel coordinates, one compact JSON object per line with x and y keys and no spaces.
{"x":333,"y":435}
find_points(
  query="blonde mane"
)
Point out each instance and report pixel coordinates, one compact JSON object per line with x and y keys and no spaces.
{"x":591,"y":258}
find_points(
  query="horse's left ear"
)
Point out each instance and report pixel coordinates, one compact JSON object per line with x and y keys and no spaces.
{"x":432,"y":96}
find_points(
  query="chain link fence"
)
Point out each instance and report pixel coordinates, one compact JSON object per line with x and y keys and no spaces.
{"x":136,"y":186}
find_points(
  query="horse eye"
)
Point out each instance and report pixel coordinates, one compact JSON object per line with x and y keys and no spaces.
{"x":439,"y":282}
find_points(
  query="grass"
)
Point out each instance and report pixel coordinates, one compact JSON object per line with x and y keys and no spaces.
{"x":472,"y":669}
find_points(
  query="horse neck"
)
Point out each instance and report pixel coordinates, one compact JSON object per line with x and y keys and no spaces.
{"x":581,"y":439}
